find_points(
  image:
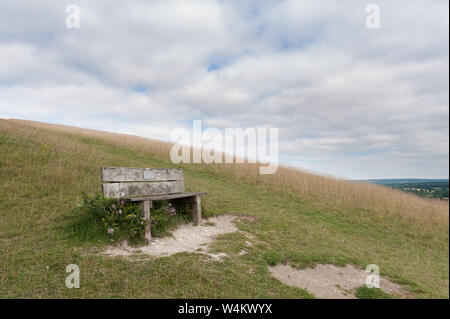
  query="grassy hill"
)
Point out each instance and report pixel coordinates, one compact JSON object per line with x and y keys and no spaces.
{"x":301,"y":218}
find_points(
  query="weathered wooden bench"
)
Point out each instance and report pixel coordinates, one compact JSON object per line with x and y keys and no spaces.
{"x":146,"y":185}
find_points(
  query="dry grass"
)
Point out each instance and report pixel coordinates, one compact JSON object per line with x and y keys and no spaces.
{"x":302,"y":219}
{"x":323,"y":191}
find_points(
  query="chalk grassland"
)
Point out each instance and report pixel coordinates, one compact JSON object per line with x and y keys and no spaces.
{"x":302,"y":219}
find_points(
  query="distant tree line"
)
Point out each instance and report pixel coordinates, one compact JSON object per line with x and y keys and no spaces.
{"x":426,"y":189}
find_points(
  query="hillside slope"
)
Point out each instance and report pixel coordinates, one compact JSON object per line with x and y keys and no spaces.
{"x":301,"y":218}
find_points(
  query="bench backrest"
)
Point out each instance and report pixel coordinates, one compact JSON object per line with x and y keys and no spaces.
{"x":128,"y":182}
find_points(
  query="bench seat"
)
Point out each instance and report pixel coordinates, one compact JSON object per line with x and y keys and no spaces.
{"x":168,"y":196}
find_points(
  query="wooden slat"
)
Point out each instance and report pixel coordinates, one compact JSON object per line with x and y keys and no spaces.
{"x":141,"y":189}
{"x":169,"y":196}
{"x":130,"y":174}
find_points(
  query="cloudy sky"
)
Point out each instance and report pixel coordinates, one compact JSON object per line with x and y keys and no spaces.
{"x":348,"y":100}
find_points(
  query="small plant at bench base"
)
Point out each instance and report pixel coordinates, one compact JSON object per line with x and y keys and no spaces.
{"x":167,"y":216}
{"x":122,"y":219}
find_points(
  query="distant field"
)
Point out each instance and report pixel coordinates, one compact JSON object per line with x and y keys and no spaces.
{"x":300,"y":218}
{"x":431,"y":188}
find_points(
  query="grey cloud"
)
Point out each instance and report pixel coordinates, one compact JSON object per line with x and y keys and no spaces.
{"x":347,"y":100}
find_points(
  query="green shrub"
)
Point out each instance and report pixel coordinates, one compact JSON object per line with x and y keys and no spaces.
{"x":122,"y":219}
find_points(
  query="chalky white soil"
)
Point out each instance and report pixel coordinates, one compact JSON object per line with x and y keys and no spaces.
{"x":330,"y":281}
{"x":186,"y":238}
{"x":323,"y":281}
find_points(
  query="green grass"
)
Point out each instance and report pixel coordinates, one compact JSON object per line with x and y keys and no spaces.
{"x":364,"y":292}
{"x":43,"y":174}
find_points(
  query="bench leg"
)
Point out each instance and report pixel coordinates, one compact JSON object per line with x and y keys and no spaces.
{"x":196,"y":209}
{"x":145,"y":207}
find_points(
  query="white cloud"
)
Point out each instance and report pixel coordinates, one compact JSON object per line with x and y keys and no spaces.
{"x":349,"y":101}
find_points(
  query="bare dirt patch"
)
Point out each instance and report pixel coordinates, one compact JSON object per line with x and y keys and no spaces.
{"x":330,"y":281}
{"x":186,"y":238}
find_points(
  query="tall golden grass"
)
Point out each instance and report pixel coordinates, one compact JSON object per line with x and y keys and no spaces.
{"x":324,"y":191}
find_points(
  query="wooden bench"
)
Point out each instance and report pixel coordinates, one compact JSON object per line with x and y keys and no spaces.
{"x":146,"y":185}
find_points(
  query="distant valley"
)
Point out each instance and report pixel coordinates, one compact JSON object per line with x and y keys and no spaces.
{"x":431,"y":188}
